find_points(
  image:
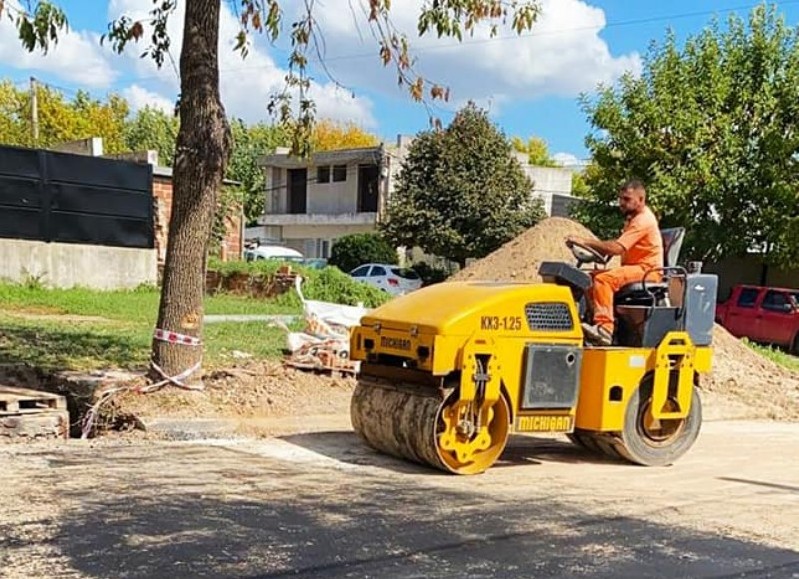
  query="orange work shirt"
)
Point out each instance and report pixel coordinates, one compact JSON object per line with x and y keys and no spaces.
{"x":641,"y":240}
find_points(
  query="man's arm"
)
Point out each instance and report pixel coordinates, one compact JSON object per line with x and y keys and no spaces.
{"x":603,"y":247}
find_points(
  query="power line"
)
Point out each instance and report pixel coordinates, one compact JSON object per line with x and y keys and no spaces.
{"x":421,"y":49}
{"x":534,"y":34}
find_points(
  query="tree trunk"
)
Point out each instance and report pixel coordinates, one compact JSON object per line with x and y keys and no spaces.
{"x":201,"y":155}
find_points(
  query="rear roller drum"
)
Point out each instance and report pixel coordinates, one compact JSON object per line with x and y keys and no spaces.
{"x":419,"y":424}
{"x":584,"y":439}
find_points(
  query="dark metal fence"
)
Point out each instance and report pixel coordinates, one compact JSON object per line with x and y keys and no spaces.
{"x":49,"y":196}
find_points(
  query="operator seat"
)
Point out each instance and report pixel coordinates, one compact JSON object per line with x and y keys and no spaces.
{"x":636,"y":292}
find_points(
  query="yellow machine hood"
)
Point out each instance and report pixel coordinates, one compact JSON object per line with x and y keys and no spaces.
{"x":453,"y":307}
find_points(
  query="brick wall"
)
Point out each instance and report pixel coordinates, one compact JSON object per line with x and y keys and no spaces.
{"x":162,"y":199}
{"x":232,"y":243}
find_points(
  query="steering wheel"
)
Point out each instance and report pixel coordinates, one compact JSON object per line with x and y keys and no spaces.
{"x":585,"y":254}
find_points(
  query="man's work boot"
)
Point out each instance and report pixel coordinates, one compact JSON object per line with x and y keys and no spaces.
{"x":597,"y":335}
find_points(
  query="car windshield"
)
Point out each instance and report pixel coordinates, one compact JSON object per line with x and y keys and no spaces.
{"x":795,"y":296}
{"x":406,"y":273}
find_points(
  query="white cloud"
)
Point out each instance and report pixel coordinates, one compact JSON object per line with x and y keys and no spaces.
{"x":563,"y":55}
{"x":245,"y":84}
{"x":76,"y":58}
{"x":567,"y":159}
{"x":139,"y":97}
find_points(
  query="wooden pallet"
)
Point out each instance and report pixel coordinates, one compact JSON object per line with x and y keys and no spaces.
{"x":321,"y":367}
{"x":15,"y":400}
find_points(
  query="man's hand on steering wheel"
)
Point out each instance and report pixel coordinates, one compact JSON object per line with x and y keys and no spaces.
{"x":573,"y":241}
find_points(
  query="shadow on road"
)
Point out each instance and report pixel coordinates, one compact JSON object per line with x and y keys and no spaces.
{"x":781,"y":487}
{"x":348,"y":447}
{"x":198,"y":511}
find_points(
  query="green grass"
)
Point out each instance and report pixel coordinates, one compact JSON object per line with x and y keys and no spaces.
{"x":776,"y":355}
{"x":44,"y":327}
{"x":130,"y":306}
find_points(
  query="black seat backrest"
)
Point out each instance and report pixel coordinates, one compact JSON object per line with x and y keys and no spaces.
{"x":672,"y":243}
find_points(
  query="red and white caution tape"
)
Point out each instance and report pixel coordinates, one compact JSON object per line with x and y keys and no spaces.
{"x":178,"y":380}
{"x":175,"y":338}
{"x":89,"y":419}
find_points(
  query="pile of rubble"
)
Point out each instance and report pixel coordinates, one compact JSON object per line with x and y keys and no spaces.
{"x":324,"y":343}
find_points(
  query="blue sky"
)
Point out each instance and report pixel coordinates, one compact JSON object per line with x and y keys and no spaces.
{"x":530,"y":85}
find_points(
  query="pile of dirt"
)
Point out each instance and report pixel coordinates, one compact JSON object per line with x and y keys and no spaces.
{"x":743,"y":384}
{"x":518,"y":259}
{"x":257,"y":397}
{"x":260,"y":389}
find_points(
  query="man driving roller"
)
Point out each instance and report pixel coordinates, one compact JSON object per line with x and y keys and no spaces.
{"x":641,"y":249}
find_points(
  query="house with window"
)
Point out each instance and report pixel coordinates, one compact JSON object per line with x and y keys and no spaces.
{"x":309,"y":203}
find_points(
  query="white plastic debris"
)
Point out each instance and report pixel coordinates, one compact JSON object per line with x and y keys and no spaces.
{"x":325,"y":343}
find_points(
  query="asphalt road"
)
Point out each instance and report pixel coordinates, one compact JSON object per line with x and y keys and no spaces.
{"x":321,"y":504}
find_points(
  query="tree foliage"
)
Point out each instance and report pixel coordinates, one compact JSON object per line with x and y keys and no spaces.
{"x":537,"y":151}
{"x":331,"y":136}
{"x":152,"y":129}
{"x":60,"y":119}
{"x":460,"y":192}
{"x":250,"y":144}
{"x":712,"y":127}
{"x":350,"y":251}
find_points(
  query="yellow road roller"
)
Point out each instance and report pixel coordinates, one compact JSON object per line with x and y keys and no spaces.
{"x":448,"y":372}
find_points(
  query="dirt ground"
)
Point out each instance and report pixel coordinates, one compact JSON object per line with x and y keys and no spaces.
{"x":321,"y":504}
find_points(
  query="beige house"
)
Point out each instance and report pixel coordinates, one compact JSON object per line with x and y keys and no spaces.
{"x":311,"y":203}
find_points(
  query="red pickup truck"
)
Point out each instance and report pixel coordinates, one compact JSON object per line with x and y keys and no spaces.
{"x":768,"y":315}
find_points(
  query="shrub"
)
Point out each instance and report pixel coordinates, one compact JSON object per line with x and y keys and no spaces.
{"x":332,"y":285}
{"x":353,"y":250}
{"x":328,"y":284}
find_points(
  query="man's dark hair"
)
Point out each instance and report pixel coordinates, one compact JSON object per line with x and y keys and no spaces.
{"x":634,"y":184}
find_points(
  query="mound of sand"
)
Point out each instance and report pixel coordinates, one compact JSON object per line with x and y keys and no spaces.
{"x":518,"y":260}
{"x":743,"y":384}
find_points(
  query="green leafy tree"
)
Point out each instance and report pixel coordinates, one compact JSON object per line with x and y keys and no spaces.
{"x":460,"y":192}
{"x":350,"y":251}
{"x":712,"y":127}
{"x":250,"y":144}
{"x":580,"y":186}
{"x":204,"y":140}
{"x":152,"y":129}
{"x":537,"y":151}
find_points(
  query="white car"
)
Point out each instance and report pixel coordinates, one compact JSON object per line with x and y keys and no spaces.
{"x":272,"y":252}
{"x":389,"y":278}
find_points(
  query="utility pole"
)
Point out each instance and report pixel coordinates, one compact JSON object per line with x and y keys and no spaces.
{"x":34,"y":111}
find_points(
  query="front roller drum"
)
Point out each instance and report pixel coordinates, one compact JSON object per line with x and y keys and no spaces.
{"x":651,"y":442}
{"x":643,"y":440}
{"x":422,"y":425}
